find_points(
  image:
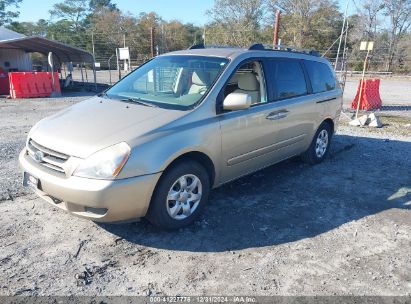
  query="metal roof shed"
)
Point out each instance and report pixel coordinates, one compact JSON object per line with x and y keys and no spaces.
{"x":61,"y":51}
{"x":13,"y":59}
{"x":64,"y":52}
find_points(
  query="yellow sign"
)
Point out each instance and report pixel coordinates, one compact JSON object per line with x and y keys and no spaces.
{"x":367,"y":45}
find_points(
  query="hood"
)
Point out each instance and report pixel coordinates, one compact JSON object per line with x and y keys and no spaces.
{"x":97,"y":123}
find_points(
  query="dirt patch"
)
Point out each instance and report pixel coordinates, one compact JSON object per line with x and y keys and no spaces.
{"x":339,"y":228}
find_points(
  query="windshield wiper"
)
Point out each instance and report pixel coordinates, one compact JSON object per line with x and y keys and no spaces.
{"x":103,"y":95}
{"x":139,"y":101}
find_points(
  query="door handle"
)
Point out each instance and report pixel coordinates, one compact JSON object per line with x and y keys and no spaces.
{"x":277,"y":115}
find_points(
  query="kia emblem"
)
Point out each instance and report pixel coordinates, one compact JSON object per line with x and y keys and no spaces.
{"x":38,"y":156}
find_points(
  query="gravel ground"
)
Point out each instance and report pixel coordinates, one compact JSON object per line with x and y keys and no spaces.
{"x":339,"y":228}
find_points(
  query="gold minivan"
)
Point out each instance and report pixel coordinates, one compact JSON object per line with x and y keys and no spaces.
{"x":155,"y":143}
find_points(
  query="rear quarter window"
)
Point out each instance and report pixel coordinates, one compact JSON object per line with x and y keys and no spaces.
{"x":321,"y":77}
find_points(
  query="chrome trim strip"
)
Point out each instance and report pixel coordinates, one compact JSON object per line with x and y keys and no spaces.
{"x":264,"y":150}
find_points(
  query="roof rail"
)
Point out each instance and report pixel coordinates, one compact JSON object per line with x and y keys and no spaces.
{"x":197,"y":46}
{"x":260,"y":47}
{"x":264,"y":47}
{"x":209,"y":46}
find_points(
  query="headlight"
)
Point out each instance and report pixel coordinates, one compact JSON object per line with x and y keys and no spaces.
{"x":104,"y":164}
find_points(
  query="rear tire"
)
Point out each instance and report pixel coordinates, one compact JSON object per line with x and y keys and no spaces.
{"x":320,"y":145}
{"x":180,"y":196}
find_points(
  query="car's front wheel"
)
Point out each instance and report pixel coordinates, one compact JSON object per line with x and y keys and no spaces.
{"x":320,"y":145}
{"x":180,"y":196}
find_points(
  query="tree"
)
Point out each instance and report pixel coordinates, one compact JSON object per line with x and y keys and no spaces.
{"x":175,"y":35}
{"x":39,"y":28}
{"x":399,"y":13}
{"x":369,"y":11}
{"x":95,"y":5}
{"x":112,"y":25}
{"x":72,"y":11}
{"x":309,"y":23}
{"x":366,"y":25}
{"x":7,"y":15}
{"x":235,"y":22}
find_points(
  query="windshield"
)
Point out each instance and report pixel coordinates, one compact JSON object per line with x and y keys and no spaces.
{"x":177,"y":82}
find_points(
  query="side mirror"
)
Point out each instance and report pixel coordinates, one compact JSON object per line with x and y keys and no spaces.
{"x":237,"y":101}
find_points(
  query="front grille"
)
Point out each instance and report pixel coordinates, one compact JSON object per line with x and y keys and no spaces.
{"x":46,"y":157}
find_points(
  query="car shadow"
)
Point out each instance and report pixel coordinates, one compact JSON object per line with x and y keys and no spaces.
{"x":292,"y":201}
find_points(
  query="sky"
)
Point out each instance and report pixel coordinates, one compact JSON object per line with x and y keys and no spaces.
{"x":185,"y":10}
{"x":193,"y":11}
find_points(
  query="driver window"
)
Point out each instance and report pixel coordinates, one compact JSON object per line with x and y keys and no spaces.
{"x":248,"y":79}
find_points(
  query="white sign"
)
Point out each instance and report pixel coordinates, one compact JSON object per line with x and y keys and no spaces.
{"x":124,"y":53}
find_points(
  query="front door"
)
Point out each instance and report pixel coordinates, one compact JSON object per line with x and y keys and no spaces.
{"x":247,"y":135}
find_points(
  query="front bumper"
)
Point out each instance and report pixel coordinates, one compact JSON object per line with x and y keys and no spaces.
{"x":97,"y":200}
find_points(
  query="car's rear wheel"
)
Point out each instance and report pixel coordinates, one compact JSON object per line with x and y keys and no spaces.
{"x":180,"y":196}
{"x":320,"y":145}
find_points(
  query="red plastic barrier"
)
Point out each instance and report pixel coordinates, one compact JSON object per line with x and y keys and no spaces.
{"x":20,"y":85}
{"x":32,"y":84}
{"x":370,"y":95}
{"x":4,"y":82}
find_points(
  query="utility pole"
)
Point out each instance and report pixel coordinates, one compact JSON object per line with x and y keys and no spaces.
{"x":162,"y":39}
{"x":92,"y":42}
{"x":126,"y":64}
{"x":152,"y":33}
{"x":118,"y":64}
{"x":276,"y":25}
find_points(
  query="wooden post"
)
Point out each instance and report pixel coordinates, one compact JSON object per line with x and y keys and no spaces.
{"x":362,"y":84}
{"x":276,"y":25}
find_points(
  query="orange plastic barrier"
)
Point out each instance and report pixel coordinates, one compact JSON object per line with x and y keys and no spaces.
{"x":32,"y":84}
{"x":370,"y":95}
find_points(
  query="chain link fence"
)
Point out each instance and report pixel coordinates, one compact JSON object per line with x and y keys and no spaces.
{"x":109,"y":70}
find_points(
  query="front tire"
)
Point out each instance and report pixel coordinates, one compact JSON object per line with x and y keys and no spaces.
{"x":180,"y":196}
{"x":320,"y":145}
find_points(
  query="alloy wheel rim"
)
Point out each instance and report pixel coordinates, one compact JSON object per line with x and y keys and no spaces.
{"x":184,"y":197}
{"x":321,"y":143}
